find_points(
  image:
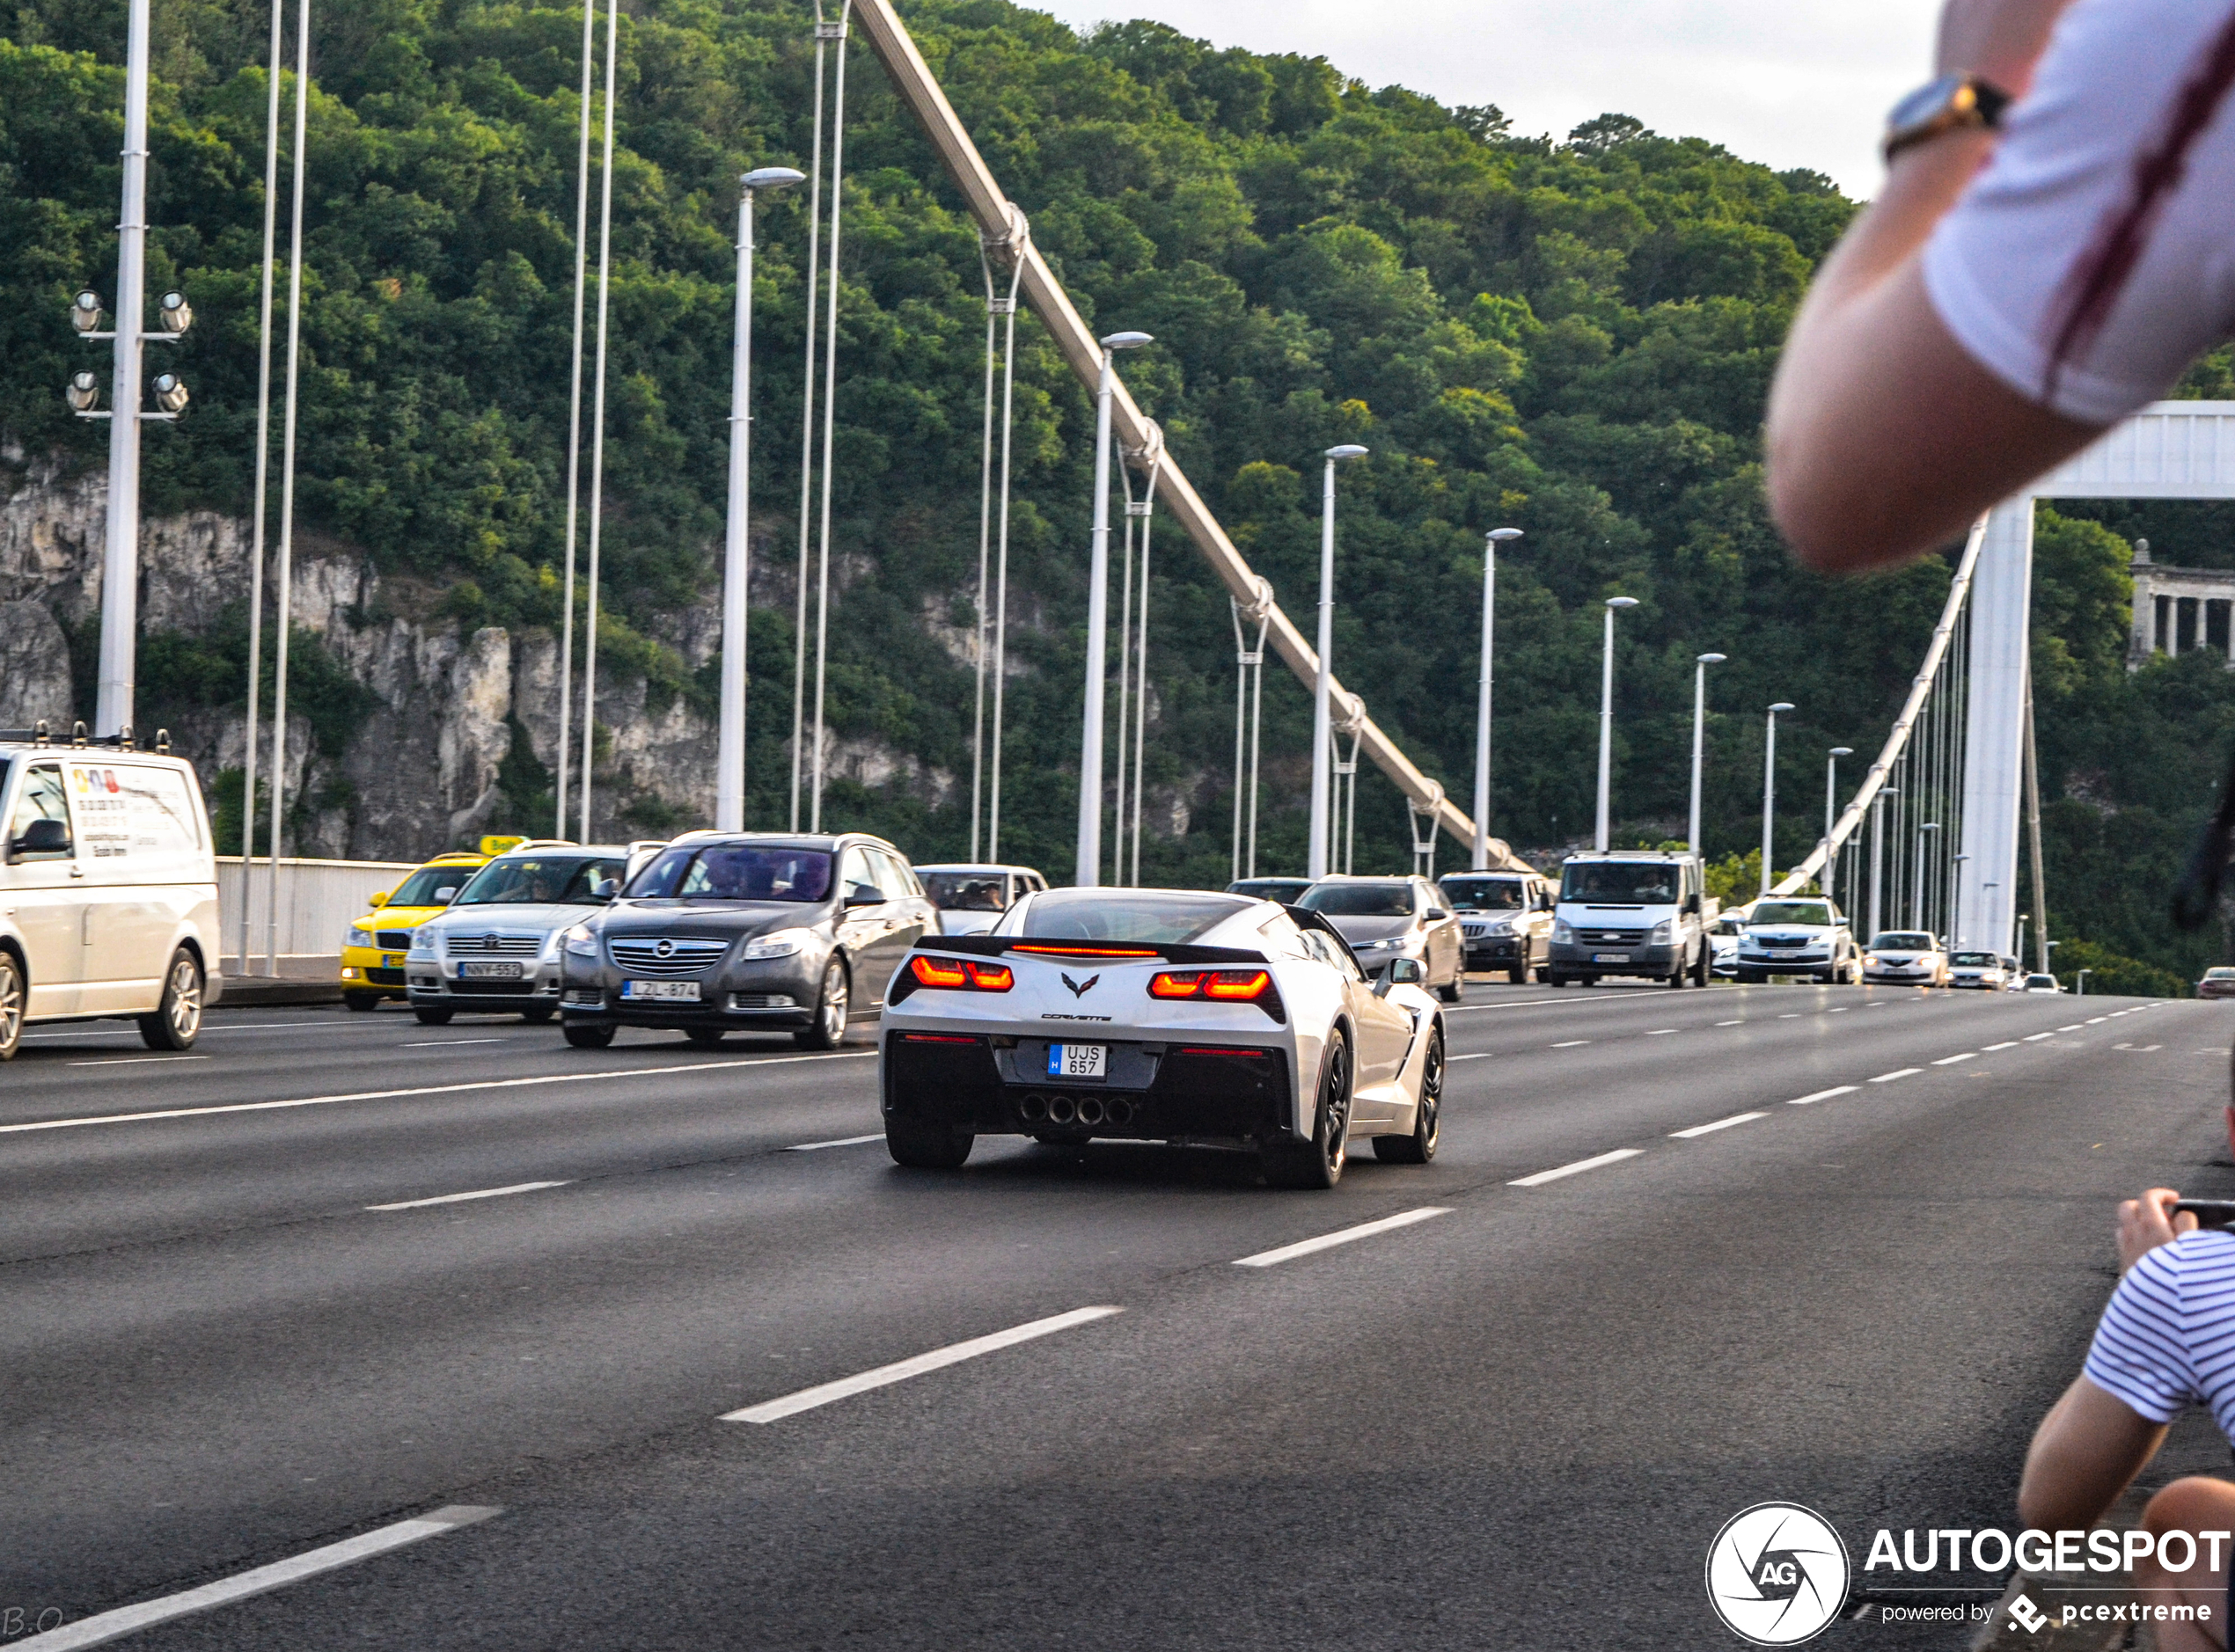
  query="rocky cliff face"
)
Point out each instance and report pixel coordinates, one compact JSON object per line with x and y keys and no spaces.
{"x":419,"y":770}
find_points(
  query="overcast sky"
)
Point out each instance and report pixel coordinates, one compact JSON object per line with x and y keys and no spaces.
{"x":1788,"y":83}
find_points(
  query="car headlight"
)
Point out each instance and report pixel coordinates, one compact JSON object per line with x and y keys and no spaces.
{"x":358,"y":937}
{"x":1501,"y":926}
{"x":1872,"y":959}
{"x":1664,"y":933}
{"x":580,"y":941}
{"x":551,"y":945}
{"x":422,"y":942}
{"x":779,"y":943}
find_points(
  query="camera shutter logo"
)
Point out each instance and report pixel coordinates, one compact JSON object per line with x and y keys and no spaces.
{"x":1776,"y":1573}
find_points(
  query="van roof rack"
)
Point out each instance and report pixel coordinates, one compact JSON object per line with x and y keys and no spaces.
{"x":39,"y":734}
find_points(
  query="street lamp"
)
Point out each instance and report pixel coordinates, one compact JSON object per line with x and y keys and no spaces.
{"x":1769,"y":788}
{"x":1699,"y":732}
{"x":1918,"y":911}
{"x":2079,"y":982}
{"x":1087,"y":872}
{"x":1831,"y":815}
{"x":1886,"y":794}
{"x":729,"y":751}
{"x":1606,"y":719}
{"x":1482,"y":704}
{"x":1321,"y":728}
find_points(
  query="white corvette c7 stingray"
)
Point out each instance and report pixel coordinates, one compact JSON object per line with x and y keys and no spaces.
{"x":1159,"y":1015}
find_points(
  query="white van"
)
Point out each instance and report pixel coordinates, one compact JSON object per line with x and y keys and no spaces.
{"x":108,"y":891}
{"x":1631,"y":913}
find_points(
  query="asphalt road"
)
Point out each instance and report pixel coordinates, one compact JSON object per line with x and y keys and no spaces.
{"x":1515,"y":1423}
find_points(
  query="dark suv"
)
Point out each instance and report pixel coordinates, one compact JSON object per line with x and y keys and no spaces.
{"x":745,"y":931}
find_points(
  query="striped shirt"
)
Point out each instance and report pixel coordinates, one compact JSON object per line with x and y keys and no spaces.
{"x":2167,"y":1339}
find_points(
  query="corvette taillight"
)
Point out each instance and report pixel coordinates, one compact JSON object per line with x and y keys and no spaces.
{"x":963,"y":973}
{"x":1242,"y":986}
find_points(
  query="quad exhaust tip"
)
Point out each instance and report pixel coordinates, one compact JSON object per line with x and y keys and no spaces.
{"x":1087,"y":1110}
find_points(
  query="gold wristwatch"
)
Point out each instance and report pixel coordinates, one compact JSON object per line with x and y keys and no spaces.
{"x":1953,"y":103}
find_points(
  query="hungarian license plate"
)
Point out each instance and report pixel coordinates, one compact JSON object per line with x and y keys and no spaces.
{"x":687,"y":992}
{"x":1078,"y":1061}
{"x":1610,"y":957}
{"x":489,"y":971}
{"x":392,"y":961}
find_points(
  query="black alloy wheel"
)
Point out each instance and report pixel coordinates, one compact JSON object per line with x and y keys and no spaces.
{"x":1427,"y":1120}
{"x":1318,"y":1163}
{"x":827,"y":1031}
{"x":177,"y":1020}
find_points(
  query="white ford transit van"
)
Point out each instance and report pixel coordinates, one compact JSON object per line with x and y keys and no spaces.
{"x":108,"y":891}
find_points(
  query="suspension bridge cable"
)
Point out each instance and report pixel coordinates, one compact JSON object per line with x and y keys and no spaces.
{"x":830,"y":406}
{"x":811,"y":290}
{"x":1141,"y":674}
{"x":263,"y":469}
{"x":1020,"y":230}
{"x":597,"y":418}
{"x":574,"y":416}
{"x":287,"y":485}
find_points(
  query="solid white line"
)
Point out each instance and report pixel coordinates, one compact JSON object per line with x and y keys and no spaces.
{"x":1341,"y":1235}
{"x":132,"y":1061}
{"x":1543,"y":1176}
{"x":2035,"y":1038}
{"x":430,"y":1089}
{"x":108,"y":1626}
{"x":856,"y":1140}
{"x":1481,"y":1054}
{"x":1569,"y":1044}
{"x":1950,"y":1061}
{"x":444,"y":1043}
{"x":1821,"y":1095}
{"x":953,"y":1354}
{"x":208,"y":1027}
{"x":456,"y":1198}
{"x":1898,"y":1072}
{"x":1730,"y":1023}
{"x":2007,"y":1044}
{"x":1720,"y":1124}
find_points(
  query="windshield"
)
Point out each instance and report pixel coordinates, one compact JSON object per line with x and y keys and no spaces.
{"x":1281,"y":889}
{"x":1620,"y":882}
{"x":1727,"y":927}
{"x":515,"y":880}
{"x":1359,"y":900}
{"x":1482,"y":894}
{"x":1791,"y":912}
{"x":1976,"y":960}
{"x":430,"y":886}
{"x":735,"y":872}
{"x":967,"y":891}
{"x":1158,"y":919}
{"x":2041,"y":981}
{"x":1902,"y":940}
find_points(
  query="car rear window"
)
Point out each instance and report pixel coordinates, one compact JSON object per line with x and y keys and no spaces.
{"x":967,"y":891}
{"x":1393,"y":899}
{"x":1162,"y":918}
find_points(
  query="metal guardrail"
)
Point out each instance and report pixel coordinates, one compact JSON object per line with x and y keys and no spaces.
{"x":317,"y":900}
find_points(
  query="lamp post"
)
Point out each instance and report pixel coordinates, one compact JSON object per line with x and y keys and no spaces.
{"x":1481,"y":859}
{"x":1321,"y":723}
{"x":1700,"y":662}
{"x":1087,"y":872}
{"x":1770,"y":789}
{"x":729,"y":752}
{"x":1920,"y":913}
{"x":2079,"y":982}
{"x":1831,"y":816}
{"x":1955,"y":905}
{"x":1606,"y":719}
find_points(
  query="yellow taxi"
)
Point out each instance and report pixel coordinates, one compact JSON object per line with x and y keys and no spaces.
{"x":372,"y":950}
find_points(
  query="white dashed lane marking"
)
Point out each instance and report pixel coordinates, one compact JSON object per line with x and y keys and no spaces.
{"x":1341,"y":1235}
{"x":884,"y":1376}
{"x":460,"y":1198}
{"x":1577,"y":1168}
{"x":1950,"y":1061}
{"x":1821,"y":1095}
{"x":2006,"y":1044}
{"x":1898,"y":1072}
{"x":856,"y":1140}
{"x":1572,"y":1044}
{"x":1720,"y":1124}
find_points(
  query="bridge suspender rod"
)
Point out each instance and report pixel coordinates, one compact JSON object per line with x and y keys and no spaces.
{"x":1897,"y":741}
{"x":912,"y":79}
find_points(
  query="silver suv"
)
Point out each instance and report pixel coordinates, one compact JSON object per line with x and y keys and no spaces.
{"x":1799,"y":936}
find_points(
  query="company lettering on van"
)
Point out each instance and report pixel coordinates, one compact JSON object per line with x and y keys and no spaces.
{"x":127,"y":811}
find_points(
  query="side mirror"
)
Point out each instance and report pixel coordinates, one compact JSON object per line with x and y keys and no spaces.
{"x":379,"y":899}
{"x":446,"y":893}
{"x":44,"y":838}
{"x":864,"y":894}
{"x":1691,"y":903}
{"x":1437,"y":914}
{"x":1402,"y":972}
{"x":605,"y":888}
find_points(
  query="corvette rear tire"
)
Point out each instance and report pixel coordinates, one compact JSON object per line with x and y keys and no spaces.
{"x":926,"y":1146}
{"x":1318,"y":1163}
{"x":1427,"y":1120}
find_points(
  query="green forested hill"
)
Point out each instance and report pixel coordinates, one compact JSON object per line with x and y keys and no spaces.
{"x":1570,"y":335}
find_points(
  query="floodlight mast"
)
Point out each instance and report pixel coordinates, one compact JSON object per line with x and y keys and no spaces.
{"x":1087,"y":869}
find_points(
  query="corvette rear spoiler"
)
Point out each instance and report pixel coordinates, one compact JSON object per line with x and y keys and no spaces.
{"x":1062,"y":948}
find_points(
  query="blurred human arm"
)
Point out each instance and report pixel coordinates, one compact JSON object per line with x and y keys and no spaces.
{"x":2087,"y":1448}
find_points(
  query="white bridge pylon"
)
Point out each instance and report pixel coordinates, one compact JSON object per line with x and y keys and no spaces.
{"x":2171,"y":449}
